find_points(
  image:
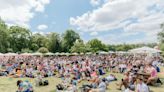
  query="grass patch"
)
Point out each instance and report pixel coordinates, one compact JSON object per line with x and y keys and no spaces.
{"x":9,"y":84}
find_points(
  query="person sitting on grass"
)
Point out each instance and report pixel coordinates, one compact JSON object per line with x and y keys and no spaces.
{"x":153,"y":74}
{"x":124,"y":82}
{"x":141,"y":86}
{"x":111,"y":78}
{"x":101,"y":87}
{"x":24,"y":86}
{"x":38,"y":79}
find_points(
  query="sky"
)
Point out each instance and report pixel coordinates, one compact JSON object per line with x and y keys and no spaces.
{"x":111,"y":21}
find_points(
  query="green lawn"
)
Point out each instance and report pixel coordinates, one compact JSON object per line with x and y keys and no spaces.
{"x":9,"y":84}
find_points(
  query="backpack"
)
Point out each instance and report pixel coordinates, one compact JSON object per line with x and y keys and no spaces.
{"x":158,"y":69}
{"x":45,"y":83}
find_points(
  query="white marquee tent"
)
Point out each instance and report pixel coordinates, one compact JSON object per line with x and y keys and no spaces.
{"x":10,"y":54}
{"x":1,"y":54}
{"x":145,"y":50}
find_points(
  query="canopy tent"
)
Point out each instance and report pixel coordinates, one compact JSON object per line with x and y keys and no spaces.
{"x":57,"y":53}
{"x":75,"y":54}
{"x":26,"y":54}
{"x":67,"y":54}
{"x":62,"y":54}
{"x":49,"y":54}
{"x":10,"y":54}
{"x":145,"y":50}
{"x":103,"y":52}
{"x":88,"y":53}
{"x":110,"y":52}
{"x":1,"y":54}
{"x":81,"y":53}
{"x":37,"y":54}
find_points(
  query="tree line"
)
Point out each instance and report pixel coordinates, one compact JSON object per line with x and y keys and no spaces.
{"x":20,"y":40}
{"x":161,"y":38}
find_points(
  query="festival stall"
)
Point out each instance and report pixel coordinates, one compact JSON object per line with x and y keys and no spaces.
{"x":146,"y":50}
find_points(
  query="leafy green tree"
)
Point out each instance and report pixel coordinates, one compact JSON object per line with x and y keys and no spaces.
{"x":19,"y":38}
{"x":162,"y":46}
{"x":161,"y":37}
{"x":3,"y":36}
{"x":68,"y":39}
{"x":111,"y":47}
{"x":54,"y":44}
{"x":26,"y":50}
{"x":78,"y":47}
{"x":38,"y":41}
{"x":96,"y":45}
{"x":10,"y":50}
{"x":104,"y":47}
{"x":161,"y":34}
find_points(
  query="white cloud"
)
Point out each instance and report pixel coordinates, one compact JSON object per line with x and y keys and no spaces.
{"x":38,"y":32}
{"x":41,"y":32}
{"x":40,"y":5}
{"x":114,"y":39}
{"x":94,"y":33}
{"x":42,"y":27}
{"x":115,"y":14}
{"x":20,"y":12}
{"x":81,"y":33}
{"x":95,"y":2}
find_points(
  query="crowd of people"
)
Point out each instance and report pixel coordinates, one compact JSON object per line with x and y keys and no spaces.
{"x":139,"y":71}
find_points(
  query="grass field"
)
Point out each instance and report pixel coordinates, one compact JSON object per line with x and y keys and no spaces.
{"x":9,"y":84}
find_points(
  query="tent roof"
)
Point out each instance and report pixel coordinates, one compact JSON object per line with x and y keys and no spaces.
{"x":10,"y":54}
{"x":37,"y":54}
{"x":49,"y":54}
{"x":145,"y":50}
{"x":1,"y":54}
{"x":26,"y":54}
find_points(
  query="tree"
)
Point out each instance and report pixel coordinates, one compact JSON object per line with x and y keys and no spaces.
{"x":26,"y":50}
{"x":69,"y":37}
{"x":43,"y":50}
{"x":96,"y":45}
{"x":161,"y":37}
{"x":78,"y":47}
{"x":161,"y":34}
{"x":19,"y":38}
{"x":54,"y":42}
{"x":38,"y":41}
{"x":3,"y":36}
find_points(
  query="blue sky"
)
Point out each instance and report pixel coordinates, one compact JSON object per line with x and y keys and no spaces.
{"x":57,"y":14}
{"x":111,"y":21}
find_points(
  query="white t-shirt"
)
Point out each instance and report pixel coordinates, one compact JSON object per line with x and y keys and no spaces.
{"x":142,"y":88}
{"x":102,"y":87}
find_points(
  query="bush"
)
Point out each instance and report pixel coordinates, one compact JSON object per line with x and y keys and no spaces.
{"x":43,"y":50}
{"x":162,"y":46}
